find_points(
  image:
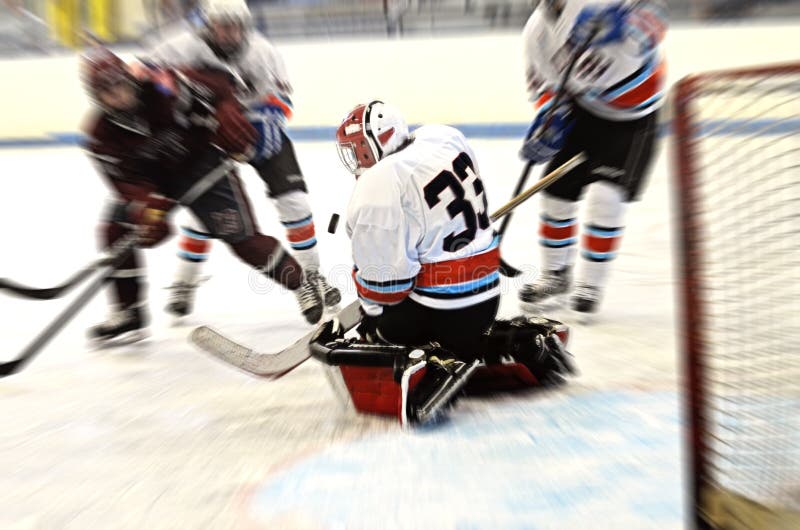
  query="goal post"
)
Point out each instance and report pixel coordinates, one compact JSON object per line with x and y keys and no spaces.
{"x":736,"y":184}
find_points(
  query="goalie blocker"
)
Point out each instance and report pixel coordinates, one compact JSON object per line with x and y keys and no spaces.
{"x":417,"y":385}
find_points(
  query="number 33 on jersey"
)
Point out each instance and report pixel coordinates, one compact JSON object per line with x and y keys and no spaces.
{"x":419,"y":225}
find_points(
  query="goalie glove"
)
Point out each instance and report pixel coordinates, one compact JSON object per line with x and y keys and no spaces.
{"x":546,"y":138}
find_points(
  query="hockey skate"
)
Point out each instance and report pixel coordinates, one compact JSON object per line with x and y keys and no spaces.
{"x":546,"y":290}
{"x":310,"y":301}
{"x":181,"y":299}
{"x":585,"y":300}
{"x":330,"y":294}
{"x":125,"y":326}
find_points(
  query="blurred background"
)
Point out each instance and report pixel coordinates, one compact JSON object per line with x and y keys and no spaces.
{"x":46,"y":26}
{"x":111,"y":440}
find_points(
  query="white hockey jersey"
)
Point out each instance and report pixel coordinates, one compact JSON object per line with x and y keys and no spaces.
{"x":259,"y":69}
{"x":419,"y":226}
{"x":619,"y":81}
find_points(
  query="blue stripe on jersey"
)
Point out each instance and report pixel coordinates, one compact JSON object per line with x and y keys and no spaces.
{"x":640,"y":76}
{"x":460,"y":298}
{"x":460,"y":288}
{"x":650,"y":102}
{"x":394,"y":286}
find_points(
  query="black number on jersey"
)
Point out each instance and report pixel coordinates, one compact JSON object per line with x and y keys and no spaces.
{"x":460,"y":205}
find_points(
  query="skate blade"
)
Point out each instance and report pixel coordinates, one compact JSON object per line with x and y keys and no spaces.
{"x":331,"y":311}
{"x":539,"y":308}
{"x":332,"y":302}
{"x":583,"y":318}
{"x":126,"y":339}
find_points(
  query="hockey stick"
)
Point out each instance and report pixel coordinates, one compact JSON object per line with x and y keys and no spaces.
{"x":120,"y":252}
{"x":505,"y":268}
{"x":264,"y":364}
{"x":273,"y":365}
{"x":51,"y":293}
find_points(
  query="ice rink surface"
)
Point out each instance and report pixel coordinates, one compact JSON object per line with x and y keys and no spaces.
{"x":158,"y":435}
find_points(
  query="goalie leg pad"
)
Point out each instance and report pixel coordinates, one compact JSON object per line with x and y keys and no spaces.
{"x":416,"y":385}
{"x":426,"y":398}
{"x":524,"y":352}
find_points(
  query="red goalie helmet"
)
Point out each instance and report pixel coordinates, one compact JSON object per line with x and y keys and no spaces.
{"x":369,"y":133}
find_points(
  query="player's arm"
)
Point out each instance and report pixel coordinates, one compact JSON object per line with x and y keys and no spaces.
{"x":124,"y":172}
{"x":550,"y":126}
{"x":271,"y":108}
{"x":211,"y":100}
{"x":138,"y":200}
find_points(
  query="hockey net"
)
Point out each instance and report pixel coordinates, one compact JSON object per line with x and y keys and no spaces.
{"x":737,"y":183}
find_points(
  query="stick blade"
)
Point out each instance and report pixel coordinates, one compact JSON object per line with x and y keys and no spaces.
{"x":269,"y":366}
{"x":10,"y":368}
{"x":508,"y":270}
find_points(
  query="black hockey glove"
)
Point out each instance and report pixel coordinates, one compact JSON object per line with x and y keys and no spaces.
{"x":368,"y":328}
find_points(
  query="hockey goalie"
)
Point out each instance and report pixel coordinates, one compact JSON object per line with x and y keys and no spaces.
{"x":427,"y":275}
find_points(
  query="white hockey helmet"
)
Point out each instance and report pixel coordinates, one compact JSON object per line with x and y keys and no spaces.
{"x":226,"y":12}
{"x":369,"y":133}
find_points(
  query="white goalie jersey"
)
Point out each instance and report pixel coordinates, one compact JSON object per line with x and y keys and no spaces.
{"x":618,"y":81}
{"x":419,"y":226}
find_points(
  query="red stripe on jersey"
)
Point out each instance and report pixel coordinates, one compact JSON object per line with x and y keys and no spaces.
{"x":300,"y":233}
{"x":278,"y":102}
{"x":644,"y":91}
{"x":543,"y":99}
{"x":600,"y":244}
{"x":462,"y":270}
{"x":558,"y":233}
{"x":195,"y":246}
{"x":381,"y":298}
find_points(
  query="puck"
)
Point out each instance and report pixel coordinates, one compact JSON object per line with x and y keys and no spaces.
{"x":333,"y":223}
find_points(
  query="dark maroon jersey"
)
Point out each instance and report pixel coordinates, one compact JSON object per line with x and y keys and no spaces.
{"x":142,"y":150}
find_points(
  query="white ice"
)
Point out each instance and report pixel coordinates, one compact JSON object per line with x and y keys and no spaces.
{"x":158,"y":435}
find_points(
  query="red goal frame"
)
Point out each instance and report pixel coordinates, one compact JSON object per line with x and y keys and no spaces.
{"x":689,"y":234}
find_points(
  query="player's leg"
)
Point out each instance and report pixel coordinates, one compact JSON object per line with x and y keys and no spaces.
{"x":602,"y":233}
{"x":226,"y":214}
{"x":128,"y":316}
{"x":287,"y":189}
{"x":621,"y":157}
{"x":558,"y":226}
{"x":194,"y":245}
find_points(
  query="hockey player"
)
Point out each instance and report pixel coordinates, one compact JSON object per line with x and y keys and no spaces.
{"x":151,"y":137}
{"x":610,"y":113}
{"x":426,"y":256}
{"x":226,"y":40}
